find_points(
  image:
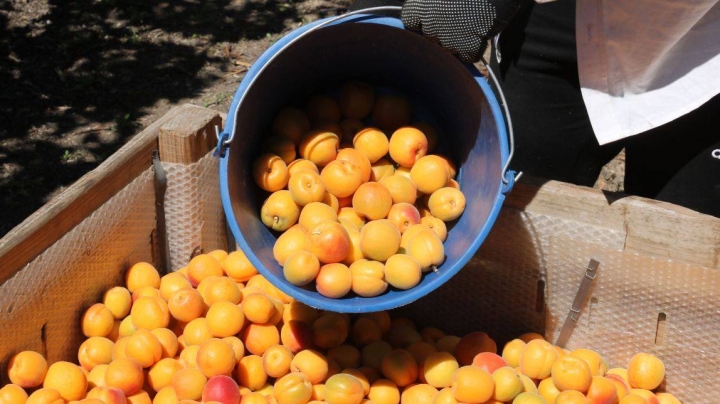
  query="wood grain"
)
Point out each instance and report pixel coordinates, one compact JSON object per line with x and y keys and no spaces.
{"x":188,"y":139}
{"x":39,"y":231}
{"x":653,"y":228}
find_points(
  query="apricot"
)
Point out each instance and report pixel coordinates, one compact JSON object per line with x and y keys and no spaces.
{"x":222,"y":389}
{"x":621,"y":385}
{"x":306,"y":186}
{"x":312,"y":363}
{"x":372,"y":142}
{"x":430,"y":173}
{"x":352,"y":216}
{"x":666,"y":398}
{"x":512,"y":350}
{"x":384,"y":391}
{"x":357,"y":158}
{"x":301,"y":164}
{"x":368,"y":277}
{"x":571,"y":397}
{"x":436,"y":225}
{"x":410,"y":232}
{"x":472,"y":385}
{"x":372,"y":200}
{"x":548,"y":390}
{"x":400,"y":367}
{"x":281,"y":146}
{"x":391,"y":111}
{"x":439,"y":368}
{"x":330,"y":330}
{"x":373,"y":353}
{"x":319,"y":146}
{"x":250,"y":373}
{"x":419,"y":393}
{"x":508,"y":384}
{"x":402,"y":189}
{"x":270,"y":172}
{"x":290,"y":241}
{"x":292,"y":388}
{"x":379,"y":239}
{"x":380,"y":169}
{"x":349,"y":127}
{"x":300,"y":311}
{"x":427,"y":248}
{"x":290,"y":122}
{"x":472,"y":344}
{"x":279,"y":211}
{"x":407,"y":144}
{"x":334,"y":280}
{"x":296,"y":335}
{"x":571,"y":373}
{"x":403,"y":215}
{"x":329,"y":242}
{"x":529,"y":398}
{"x":341,"y":178}
{"x":445,"y":396}
{"x":258,"y":308}
{"x":276,"y":360}
{"x":537,"y":359}
{"x":365,"y":331}
{"x":447,"y":204}
{"x":431,"y":334}
{"x":489,"y":361}
{"x":27,"y":369}
{"x":354,"y":252}
{"x":356,"y":99}
{"x":301,"y":268}
{"x":645,"y":371}
{"x":420,"y":351}
{"x":403,"y":271}
{"x":315,"y":213}
{"x":602,"y":391}
{"x":343,"y":388}
{"x":322,"y":108}
{"x":258,"y":337}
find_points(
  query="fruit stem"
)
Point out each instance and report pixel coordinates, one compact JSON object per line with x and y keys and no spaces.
{"x":434,"y":268}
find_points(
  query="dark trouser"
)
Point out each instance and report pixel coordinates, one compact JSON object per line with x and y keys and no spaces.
{"x":554,"y":138}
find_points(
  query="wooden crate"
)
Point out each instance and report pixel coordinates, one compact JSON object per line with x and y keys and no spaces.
{"x":657,"y":289}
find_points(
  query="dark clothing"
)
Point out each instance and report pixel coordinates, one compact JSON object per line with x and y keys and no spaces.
{"x":553,"y":135}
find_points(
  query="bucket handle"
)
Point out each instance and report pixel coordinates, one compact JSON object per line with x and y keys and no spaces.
{"x":224,"y":139}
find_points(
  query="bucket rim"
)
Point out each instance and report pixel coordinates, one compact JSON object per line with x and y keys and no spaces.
{"x":390,"y":299}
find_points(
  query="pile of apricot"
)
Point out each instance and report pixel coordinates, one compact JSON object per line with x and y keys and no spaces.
{"x":359,"y":200}
{"x":217,"y":332}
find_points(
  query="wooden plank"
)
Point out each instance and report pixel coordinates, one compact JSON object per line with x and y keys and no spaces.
{"x":188,"y":139}
{"x":653,"y":228}
{"x":671,"y":232}
{"x":567,"y":201}
{"x":39,"y":231}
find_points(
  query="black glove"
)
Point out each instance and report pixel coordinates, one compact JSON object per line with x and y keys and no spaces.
{"x":460,"y":26}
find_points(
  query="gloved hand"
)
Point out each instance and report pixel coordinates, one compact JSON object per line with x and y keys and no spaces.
{"x":460,"y":26}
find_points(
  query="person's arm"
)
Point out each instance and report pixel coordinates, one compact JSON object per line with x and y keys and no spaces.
{"x":460,"y":26}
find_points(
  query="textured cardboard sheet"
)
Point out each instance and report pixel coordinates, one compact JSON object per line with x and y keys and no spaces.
{"x":41,"y":306}
{"x":193,"y":210}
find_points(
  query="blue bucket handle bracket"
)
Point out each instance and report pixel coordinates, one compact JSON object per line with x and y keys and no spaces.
{"x":509,"y":177}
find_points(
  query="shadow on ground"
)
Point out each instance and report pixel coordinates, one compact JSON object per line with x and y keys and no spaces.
{"x":90,"y":70}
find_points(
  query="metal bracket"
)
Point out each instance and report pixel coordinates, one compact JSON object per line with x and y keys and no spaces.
{"x":574,"y":313}
{"x":160,"y":185}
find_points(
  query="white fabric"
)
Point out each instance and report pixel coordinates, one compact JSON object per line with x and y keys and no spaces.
{"x":643,"y":63}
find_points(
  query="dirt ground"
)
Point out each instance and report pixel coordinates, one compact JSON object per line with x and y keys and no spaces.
{"x":80,"y":78}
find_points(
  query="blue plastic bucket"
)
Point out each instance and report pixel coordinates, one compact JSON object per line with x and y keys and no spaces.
{"x":377,"y":50}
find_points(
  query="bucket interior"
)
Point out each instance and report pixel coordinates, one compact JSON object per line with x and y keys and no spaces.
{"x":387,"y":57}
